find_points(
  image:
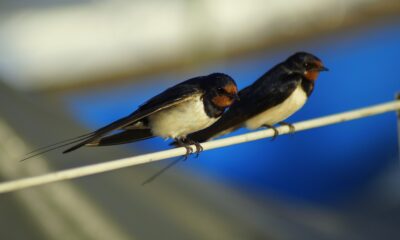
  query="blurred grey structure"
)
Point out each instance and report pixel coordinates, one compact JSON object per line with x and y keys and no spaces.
{"x":65,"y":45}
{"x":117,"y":40}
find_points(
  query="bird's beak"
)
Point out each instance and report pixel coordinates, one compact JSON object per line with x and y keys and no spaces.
{"x":322,"y":69}
{"x":236,"y":97}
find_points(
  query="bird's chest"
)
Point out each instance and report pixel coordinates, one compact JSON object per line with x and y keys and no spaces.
{"x":279,"y":112}
{"x":180,"y":120}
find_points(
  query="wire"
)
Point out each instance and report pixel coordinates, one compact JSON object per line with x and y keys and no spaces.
{"x":14,"y":185}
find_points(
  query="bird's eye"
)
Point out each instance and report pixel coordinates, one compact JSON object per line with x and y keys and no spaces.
{"x":306,"y":65}
{"x":221,"y":90}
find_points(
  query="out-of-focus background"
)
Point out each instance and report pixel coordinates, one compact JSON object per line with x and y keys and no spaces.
{"x":69,"y":67}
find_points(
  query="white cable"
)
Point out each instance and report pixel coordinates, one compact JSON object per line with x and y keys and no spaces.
{"x":151,"y":157}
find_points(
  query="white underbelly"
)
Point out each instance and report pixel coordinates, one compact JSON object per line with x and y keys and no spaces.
{"x":280,"y":112}
{"x":180,"y":120}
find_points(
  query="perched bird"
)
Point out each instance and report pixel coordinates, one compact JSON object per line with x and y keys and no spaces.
{"x":275,"y":96}
{"x":182,"y":109}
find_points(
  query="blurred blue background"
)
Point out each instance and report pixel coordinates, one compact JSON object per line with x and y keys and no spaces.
{"x":326,"y":165}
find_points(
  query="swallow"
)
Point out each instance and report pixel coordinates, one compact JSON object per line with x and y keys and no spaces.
{"x":271,"y":99}
{"x":178,"y":111}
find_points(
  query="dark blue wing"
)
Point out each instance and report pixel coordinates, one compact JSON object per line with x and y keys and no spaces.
{"x":254,"y":100}
{"x":166,"y":99}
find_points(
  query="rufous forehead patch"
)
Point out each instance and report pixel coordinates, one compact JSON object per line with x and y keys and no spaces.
{"x":318,"y":63}
{"x":231,"y":88}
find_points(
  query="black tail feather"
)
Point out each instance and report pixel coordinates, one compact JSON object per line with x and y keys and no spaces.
{"x":103,"y":131}
{"x":81,"y":137}
{"x":50,"y":148}
{"x":127,"y":136}
{"x":81,"y":144}
{"x":92,"y":137}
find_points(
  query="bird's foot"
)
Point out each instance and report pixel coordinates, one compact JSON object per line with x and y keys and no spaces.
{"x":189,"y":150}
{"x":292,"y":129}
{"x":276,"y":133}
{"x":198,"y":146}
{"x":186,"y":145}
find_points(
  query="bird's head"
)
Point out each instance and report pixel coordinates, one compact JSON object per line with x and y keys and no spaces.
{"x":306,"y":64}
{"x":223,"y":90}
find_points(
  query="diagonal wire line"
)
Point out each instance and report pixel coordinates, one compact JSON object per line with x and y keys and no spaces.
{"x":14,"y":185}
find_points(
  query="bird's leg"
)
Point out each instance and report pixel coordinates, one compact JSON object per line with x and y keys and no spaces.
{"x":276,"y":133}
{"x":199,"y":148}
{"x":183,"y":143}
{"x":292,"y":129}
